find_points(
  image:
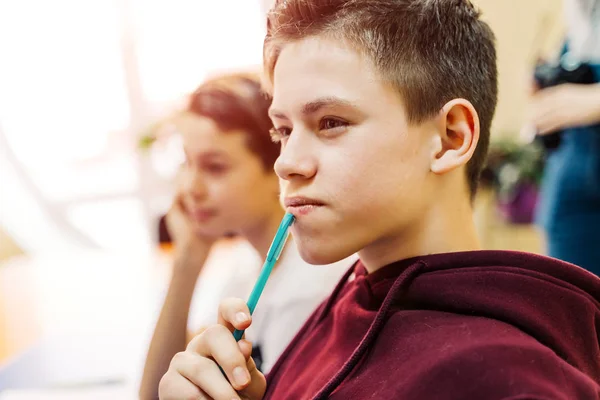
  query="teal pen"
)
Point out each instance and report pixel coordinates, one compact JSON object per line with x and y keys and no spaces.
{"x":272,"y":257}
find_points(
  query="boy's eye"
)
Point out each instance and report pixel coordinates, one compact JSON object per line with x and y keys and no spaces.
{"x":278,"y":134}
{"x":329,"y":123}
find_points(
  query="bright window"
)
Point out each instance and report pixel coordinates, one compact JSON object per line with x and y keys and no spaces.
{"x":78,"y":80}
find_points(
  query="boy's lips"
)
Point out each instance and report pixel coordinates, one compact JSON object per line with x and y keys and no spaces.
{"x":299,"y":205}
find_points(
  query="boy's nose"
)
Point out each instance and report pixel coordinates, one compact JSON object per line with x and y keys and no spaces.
{"x":296,"y":159}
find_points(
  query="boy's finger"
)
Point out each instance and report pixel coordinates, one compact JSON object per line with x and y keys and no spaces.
{"x":246,"y":348}
{"x":234,"y":314}
{"x":218,"y":343}
{"x":174,"y":386}
{"x":206,"y":375}
{"x":258,"y":384}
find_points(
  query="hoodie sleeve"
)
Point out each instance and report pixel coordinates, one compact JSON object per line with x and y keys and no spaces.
{"x":505,"y":371}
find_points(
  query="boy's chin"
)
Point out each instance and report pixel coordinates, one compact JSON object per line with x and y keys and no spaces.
{"x":316,"y":253}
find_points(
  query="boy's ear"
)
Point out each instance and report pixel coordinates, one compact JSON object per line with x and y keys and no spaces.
{"x":457,"y":136}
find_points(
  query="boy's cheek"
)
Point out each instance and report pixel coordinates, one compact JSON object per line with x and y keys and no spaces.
{"x":283,"y":184}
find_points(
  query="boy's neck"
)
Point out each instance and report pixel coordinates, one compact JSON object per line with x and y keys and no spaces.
{"x":261,"y":234}
{"x":446,"y":228}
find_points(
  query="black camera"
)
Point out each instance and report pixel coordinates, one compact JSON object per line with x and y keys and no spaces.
{"x":547,"y":75}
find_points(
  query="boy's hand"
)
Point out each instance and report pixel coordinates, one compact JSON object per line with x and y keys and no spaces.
{"x":195,"y":373}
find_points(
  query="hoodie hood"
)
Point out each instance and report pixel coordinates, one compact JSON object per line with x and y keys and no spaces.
{"x":556,"y":303}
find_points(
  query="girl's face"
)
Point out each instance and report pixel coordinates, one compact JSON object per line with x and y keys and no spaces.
{"x":226,"y":188}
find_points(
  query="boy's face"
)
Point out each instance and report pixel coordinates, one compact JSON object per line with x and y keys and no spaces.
{"x":348,"y":148}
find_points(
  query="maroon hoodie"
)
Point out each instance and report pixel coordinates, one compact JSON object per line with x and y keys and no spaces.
{"x":471,"y":325}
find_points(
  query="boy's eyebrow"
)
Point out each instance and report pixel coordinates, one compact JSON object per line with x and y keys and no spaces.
{"x":315,"y":105}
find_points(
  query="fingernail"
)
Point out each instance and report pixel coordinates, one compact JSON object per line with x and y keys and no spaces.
{"x":241,"y":376}
{"x":241,"y":317}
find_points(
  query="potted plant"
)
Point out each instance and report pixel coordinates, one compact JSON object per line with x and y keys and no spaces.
{"x":514,"y":171}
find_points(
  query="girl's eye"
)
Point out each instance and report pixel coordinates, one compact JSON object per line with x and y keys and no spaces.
{"x":216,"y":169}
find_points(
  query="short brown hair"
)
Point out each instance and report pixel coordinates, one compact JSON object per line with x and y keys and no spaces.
{"x":431,"y":51}
{"x":238,"y":102}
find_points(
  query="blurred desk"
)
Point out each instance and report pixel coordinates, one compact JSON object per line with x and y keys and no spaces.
{"x":77,"y":326}
{"x":78,"y":320}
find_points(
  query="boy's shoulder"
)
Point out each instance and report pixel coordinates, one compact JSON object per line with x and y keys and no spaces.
{"x":455,"y":356}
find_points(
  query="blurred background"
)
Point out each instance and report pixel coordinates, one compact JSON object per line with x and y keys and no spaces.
{"x":82,"y":85}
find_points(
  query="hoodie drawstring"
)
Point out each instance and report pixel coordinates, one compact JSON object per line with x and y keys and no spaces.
{"x":396,"y":291}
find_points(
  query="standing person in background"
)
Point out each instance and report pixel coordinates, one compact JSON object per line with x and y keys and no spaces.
{"x":228,"y":186}
{"x":565,"y":112}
